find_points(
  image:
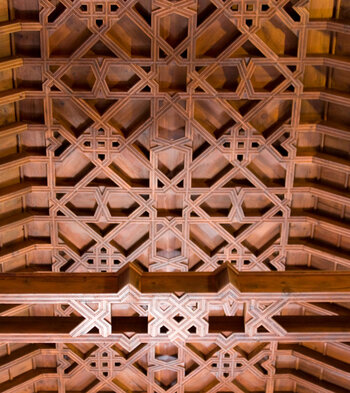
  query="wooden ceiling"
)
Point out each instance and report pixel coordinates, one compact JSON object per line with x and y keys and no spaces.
{"x":190,"y":160}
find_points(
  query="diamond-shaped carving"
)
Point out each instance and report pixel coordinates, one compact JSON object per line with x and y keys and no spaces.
{"x":121,"y":204}
{"x":83,"y":204}
{"x":266,"y":78}
{"x":130,"y":38}
{"x":68,"y":37}
{"x":216,"y":37}
{"x":136,"y":175}
{"x":168,"y":245}
{"x":79,"y":78}
{"x":211,"y":170}
{"x":171,"y":125}
{"x":172,"y":78}
{"x":165,"y":378}
{"x":171,"y":162}
{"x":130,"y":238}
{"x":173,"y":29}
{"x":75,"y":237}
{"x":131,"y":116}
{"x":166,"y":352}
{"x":279,"y":37}
{"x":256,"y":204}
{"x":207,"y":238}
{"x":121,"y":78}
{"x":212,"y":116}
{"x":169,"y":204}
{"x":225,"y":78}
{"x":217,"y":205}
{"x":71,"y":116}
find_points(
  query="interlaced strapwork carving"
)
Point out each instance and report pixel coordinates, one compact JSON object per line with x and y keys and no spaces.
{"x":180,"y":135}
{"x":179,"y":367}
{"x":177,"y":129}
{"x":175,"y":135}
{"x":261,"y":314}
{"x":99,"y":318}
{"x":178,"y":318}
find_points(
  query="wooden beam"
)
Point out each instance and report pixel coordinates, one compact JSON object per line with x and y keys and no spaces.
{"x":24,"y":247}
{"x":38,"y":325}
{"x":323,"y":250}
{"x":41,"y":328}
{"x":314,"y":323}
{"x":30,"y":376}
{"x":20,"y":189}
{"x":22,"y":219}
{"x":310,"y":381}
{"x":10,"y":63}
{"x":24,"y":353}
{"x":13,"y":129}
{"x":12,"y":95}
{"x":339,"y":226}
{"x":18,"y":159}
{"x":64,"y":325}
{"x":303,"y":282}
{"x":221,"y":324}
{"x":322,"y":191}
{"x":291,"y":323}
{"x":14,"y":26}
{"x":315,"y":357}
{"x":339,"y":26}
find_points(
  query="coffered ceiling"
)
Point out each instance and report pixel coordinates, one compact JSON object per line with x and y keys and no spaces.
{"x":190,"y":160}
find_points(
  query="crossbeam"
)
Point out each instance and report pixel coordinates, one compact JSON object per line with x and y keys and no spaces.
{"x":291,"y":323}
{"x":44,"y":328}
{"x":60,"y":325}
{"x":99,"y":297}
{"x":324,"y":282}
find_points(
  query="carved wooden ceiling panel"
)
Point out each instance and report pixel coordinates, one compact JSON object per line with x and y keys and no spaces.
{"x":193,"y":155}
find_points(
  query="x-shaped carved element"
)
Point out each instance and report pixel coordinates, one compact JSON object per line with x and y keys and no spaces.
{"x":101,"y":318}
{"x":192,"y":312}
{"x":72,"y":362}
{"x":256,"y":357}
{"x":264,"y":317}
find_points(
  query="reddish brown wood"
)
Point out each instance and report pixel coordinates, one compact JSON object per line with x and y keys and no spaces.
{"x":189,"y":282}
{"x":176,"y":136}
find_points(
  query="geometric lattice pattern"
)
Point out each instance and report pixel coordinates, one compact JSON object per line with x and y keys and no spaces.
{"x":177,"y":368}
{"x":175,"y":136}
{"x":180,"y":135}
